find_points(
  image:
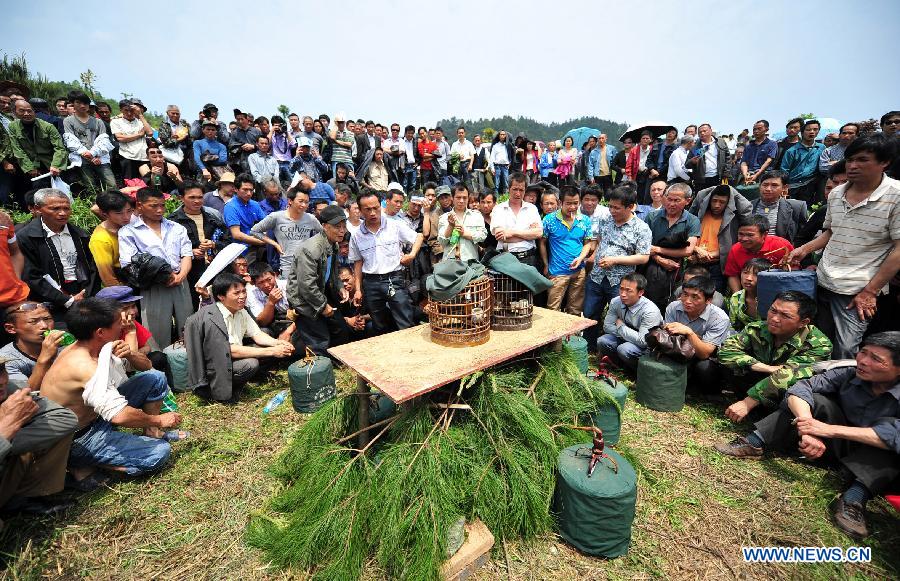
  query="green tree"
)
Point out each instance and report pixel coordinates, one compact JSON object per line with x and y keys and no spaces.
{"x":284,"y":110}
{"x":487,"y":134}
{"x":88,"y":78}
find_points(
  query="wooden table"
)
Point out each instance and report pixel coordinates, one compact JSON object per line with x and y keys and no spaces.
{"x":407,"y":364}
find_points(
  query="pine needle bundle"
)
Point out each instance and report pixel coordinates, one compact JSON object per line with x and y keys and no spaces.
{"x":395,"y":504}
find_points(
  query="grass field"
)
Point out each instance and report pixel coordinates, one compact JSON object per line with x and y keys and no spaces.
{"x":695,"y":509}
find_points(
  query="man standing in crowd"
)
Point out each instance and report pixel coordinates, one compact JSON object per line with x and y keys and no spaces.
{"x":600,"y":163}
{"x":515,"y":223}
{"x":629,"y":319}
{"x":242,"y":213}
{"x":37,"y":146}
{"x":658,"y":161}
{"x":292,"y":227}
{"x":375,"y":250}
{"x":569,"y":235}
{"x":263,"y":165}
{"x":209,"y":152}
{"x":466,"y":152}
{"x":836,"y":152}
{"x":315,"y":290}
{"x":708,"y":158}
{"x":675,"y":232}
{"x":792,"y":136}
{"x":623,"y":244}
{"x":341,"y":141}
{"x":677,"y":162}
{"x":116,"y":210}
{"x":210,"y":114}
{"x":89,"y":145}
{"x":59,"y":269}
{"x":801,"y":164}
{"x":154,"y":234}
{"x":131,"y":131}
{"x":786,"y":216}
{"x":242,"y":142}
{"x":861,"y":243}
{"x":759,"y":153}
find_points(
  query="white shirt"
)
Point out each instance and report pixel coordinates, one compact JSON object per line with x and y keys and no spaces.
{"x":642,"y":163}
{"x":601,"y":212}
{"x":137,"y":237}
{"x":65,"y":248}
{"x":712,"y":157}
{"x":256,"y":299}
{"x":499,"y":155}
{"x":410,"y":146}
{"x":676,"y":164}
{"x":380,"y":251}
{"x":240,"y":325}
{"x":502,"y":216}
{"x":136,"y":149}
{"x":465,"y":149}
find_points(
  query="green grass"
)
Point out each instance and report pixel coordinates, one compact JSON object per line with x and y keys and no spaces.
{"x":695,"y":509}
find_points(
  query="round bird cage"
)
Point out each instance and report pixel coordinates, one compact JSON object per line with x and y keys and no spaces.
{"x":465,"y":319}
{"x":513,"y":304}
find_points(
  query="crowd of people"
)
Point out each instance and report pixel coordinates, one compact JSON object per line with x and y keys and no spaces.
{"x":341,"y":222}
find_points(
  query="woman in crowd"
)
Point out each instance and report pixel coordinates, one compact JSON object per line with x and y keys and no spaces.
{"x":565,"y":162}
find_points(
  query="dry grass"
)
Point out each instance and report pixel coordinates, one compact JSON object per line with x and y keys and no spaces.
{"x":695,"y":509}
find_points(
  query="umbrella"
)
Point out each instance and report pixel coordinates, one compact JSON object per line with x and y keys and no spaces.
{"x":829,"y":125}
{"x":657,"y":128}
{"x":580,"y":135}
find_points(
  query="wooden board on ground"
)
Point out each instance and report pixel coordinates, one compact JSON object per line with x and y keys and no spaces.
{"x":406,"y":364}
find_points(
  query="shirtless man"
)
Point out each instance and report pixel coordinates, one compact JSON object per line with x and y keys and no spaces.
{"x":118,"y":401}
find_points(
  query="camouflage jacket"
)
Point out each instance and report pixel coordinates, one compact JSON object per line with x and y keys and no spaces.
{"x":756,"y":345}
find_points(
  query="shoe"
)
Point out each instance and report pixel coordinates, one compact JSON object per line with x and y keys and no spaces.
{"x":37,"y":506}
{"x":739,"y":448}
{"x":87,"y":484}
{"x":850,"y":517}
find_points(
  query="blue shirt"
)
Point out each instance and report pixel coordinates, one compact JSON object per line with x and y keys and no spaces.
{"x":237,"y":213}
{"x":801,"y":163}
{"x":321,"y":191}
{"x":202,"y":146}
{"x":137,"y":238}
{"x":566,"y":242}
{"x":631,"y":238}
{"x":756,"y":155}
{"x":268,"y":208}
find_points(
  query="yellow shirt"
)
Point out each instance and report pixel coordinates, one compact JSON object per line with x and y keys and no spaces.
{"x":709,"y":233}
{"x":104,"y":246}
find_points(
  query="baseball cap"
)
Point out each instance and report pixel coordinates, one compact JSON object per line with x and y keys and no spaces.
{"x":210,"y":106}
{"x":210,"y":123}
{"x":332,"y":214}
{"x":395,"y":186}
{"x":122,"y":294}
{"x":304,"y":142}
{"x":443,"y":191}
{"x":340,"y":117}
{"x":139,"y":103}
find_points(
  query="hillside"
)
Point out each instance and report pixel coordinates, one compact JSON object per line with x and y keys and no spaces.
{"x":533,"y":129}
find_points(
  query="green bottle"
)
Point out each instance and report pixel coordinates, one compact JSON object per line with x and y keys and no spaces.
{"x":67,"y":338}
{"x":454,"y":237}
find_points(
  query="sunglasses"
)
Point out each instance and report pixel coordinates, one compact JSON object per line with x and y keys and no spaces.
{"x":26,"y":308}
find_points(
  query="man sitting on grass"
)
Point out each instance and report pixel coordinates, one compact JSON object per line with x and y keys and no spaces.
{"x":89,"y":378}
{"x":767,"y":357}
{"x":853,"y":413}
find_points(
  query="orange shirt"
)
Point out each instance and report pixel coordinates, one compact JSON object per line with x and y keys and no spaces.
{"x":12,"y":289}
{"x":709,"y":233}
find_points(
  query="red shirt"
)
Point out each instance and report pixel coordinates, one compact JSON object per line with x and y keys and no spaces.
{"x":143,"y":335}
{"x":427,"y":147}
{"x":12,"y":289}
{"x":738,"y":257}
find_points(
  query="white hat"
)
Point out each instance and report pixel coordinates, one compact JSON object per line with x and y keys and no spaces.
{"x":395,"y":186}
{"x":340,"y":117}
{"x":304,"y":142}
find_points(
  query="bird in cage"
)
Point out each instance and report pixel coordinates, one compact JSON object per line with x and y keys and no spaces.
{"x":478,"y":315}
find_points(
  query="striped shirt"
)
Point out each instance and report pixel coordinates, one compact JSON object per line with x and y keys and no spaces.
{"x":862,"y":236}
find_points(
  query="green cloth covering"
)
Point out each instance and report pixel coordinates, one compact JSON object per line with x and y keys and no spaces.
{"x":579,"y":347}
{"x":312,"y":384}
{"x":660,"y":383}
{"x":595,"y":514}
{"x":506,"y":263}
{"x":450,"y":277}
{"x":608,"y":418}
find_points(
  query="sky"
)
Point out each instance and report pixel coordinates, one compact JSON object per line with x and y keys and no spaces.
{"x":726,"y":62}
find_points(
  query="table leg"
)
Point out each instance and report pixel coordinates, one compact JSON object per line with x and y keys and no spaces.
{"x":362,"y":387}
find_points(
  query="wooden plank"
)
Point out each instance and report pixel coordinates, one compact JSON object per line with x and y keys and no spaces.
{"x":406,"y":364}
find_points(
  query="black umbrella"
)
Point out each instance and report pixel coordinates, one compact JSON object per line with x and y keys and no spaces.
{"x":654,"y":127}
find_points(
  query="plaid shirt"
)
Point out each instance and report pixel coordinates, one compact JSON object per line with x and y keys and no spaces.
{"x":632,"y":237}
{"x":755,"y":344}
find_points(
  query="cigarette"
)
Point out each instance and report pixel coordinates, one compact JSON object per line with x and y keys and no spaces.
{"x":794,"y":421}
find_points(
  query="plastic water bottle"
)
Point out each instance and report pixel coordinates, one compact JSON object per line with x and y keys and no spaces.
{"x":276,"y":401}
{"x":67,"y":338}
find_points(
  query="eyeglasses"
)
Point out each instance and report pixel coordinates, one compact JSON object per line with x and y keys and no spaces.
{"x":894,"y":121}
{"x":26,"y":308}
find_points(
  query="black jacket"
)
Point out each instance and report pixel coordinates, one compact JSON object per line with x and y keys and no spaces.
{"x":362,"y":147}
{"x":211,"y":224}
{"x":41,"y":258}
{"x":792,"y":216}
{"x":653,"y":158}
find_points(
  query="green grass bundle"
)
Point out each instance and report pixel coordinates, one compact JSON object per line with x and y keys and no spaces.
{"x":396,"y":504}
